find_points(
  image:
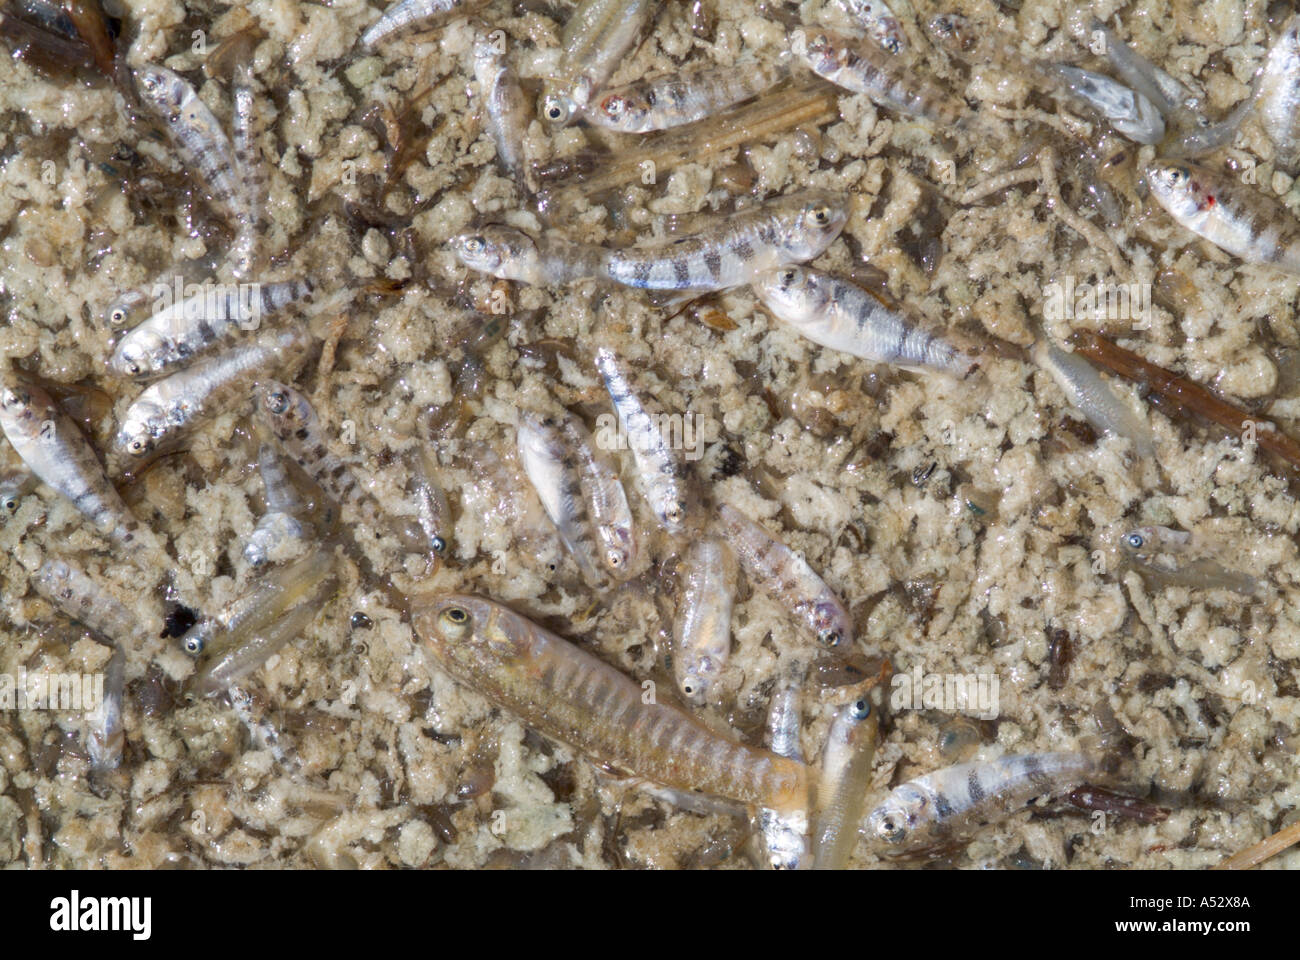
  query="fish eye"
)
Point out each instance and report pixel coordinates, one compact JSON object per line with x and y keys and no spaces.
{"x":1134,"y":540}
{"x":9,"y":504}
{"x":475,"y":244}
{"x":117,"y":315}
{"x":822,"y":214}
{"x":457,"y":615}
{"x":614,"y":558}
{"x":613,"y":106}
{"x":890,"y":829}
{"x":675,"y":512}
{"x":861,"y":709}
{"x":789,"y":276}
{"x":132,"y":368}
{"x":439,"y":546}
{"x":831,"y":638}
{"x":277,"y":401}
{"x":194,"y":646}
{"x":138,"y":446}
{"x":554,"y":111}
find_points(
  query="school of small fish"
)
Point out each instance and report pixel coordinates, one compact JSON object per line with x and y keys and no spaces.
{"x":501,"y":536}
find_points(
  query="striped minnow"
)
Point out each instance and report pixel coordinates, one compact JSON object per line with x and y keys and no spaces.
{"x":506,"y":111}
{"x":842,"y":782}
{"x":1130,"y":112}
{"x":432,"y":511}
{"x":78,"y":595}
{"x":785,"y":833}
{"x":198,"y":137}
{"x":168,"y":409}
{"x":702,"y":631}
{"x":1277,"y":99}
{"x":566,"y":693}
{"x":13,"y":487}
{"x":511,"y":254}
{"x":680,"y":98}
{"x":246,"y":253}
{"x":1147,"y":544}
{"x":611,"y":514}
{"x":596,"y":38}
{"x":236,"y":661}
{"x":294,"y":423}
{"x":58,"y":454}
{"x":554,"y":476}
{"x":786,"y":576}
{"x":1096,"y":399}
{"x":1237,"y":218}
{"x":860,"y":67}
{"x":663,"y":477}
{"x":121,"y":311}
{"x":263,"y":603}
{"x":409,"y":15}
{"x":281,"y":521}
{"x":946,"y":804}
{"x":879,"y":23}
{"x":105,"y":733}
{"x":842,"y":316}
{"x":788,"y":229}
{"x":178,"y":332}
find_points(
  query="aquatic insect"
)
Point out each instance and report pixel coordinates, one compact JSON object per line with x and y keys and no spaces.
{"x":411,"y":15}
{"x":62,"y":458}
{"x":158,"y":418}
{"x":596,"y":37}
{"x":862,"y":68}
{"x":788,"y":229}
{"x":947,"y":804}
{"x":181,"y":331}
{"x":702,"y":631}
{"x":785,"y":575}
{"x":1128,"y":111}
{"x":1232,"y":216}
{"x":664,"y":481}
{"x":676,"y":99}
{"x":842,"y":316}
{"x":842,"y":783}
{"x":566,"y":693}
{"x":1094,"y":397}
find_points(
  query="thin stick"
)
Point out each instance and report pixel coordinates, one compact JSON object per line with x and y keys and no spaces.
{"x":1268,"y":847}
{"x":1186,"y":394}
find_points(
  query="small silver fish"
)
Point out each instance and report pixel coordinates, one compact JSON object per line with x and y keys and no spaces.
{"x":785,"y":833}
{"x":281,"y":521}
{"x":1148,"y":544}
{"x":859,"y":67}
{"x":945,"y":805}
{"x":842,"y":316}
{"x":128,"y":309}
{"x":702,"y":630}
{"x":105,"y":732}
{"x":663,"y":478}
{"x":246,"y":254}
{"x":202,"y":144}
{"x":554,"y":476}
{"x":841,"y":789}
{"x":168,"y":409}
{"x":411,"y":15}
{"x":785,"y":575}
{"x":788,"y":229}
{"x":1128,"y":111}
{"x":179,"y":332}
{"x":13,"y":487}
{"x":1150,"y":540}
{"x":1096,"y":399}
{"x":81,"y":597}
{"x":432,"y":509}
{"x":1234,"y":217}
{"x":1277,"y":99}
{"x":506,"y":110}
{"x":511,"y":254}
{"x":62,"y":458}
{"x":596,"y":38}
{"x":677,"y":99}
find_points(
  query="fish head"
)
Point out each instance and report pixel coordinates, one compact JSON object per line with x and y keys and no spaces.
{"x":621,"y":111}
{"x":815,"y":221}
{"x":134,"y":355}
{"x":121,"y":311}
{"x":558,"y":107}
{"x":834,"y":629}
{"x":1176,"y":188}
{"x":284,"y":409}
{"x":620,"y":551}
{"x":893,"y":823}
{"x":134,"y":438}
{"x":498,"y":251}
{"x":160,"y":88}
{"x":790,"y":291}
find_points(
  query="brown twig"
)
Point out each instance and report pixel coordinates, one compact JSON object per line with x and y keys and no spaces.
{"x":1268,"y":847}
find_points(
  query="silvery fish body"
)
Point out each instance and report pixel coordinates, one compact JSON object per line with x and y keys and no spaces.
{"x":788,"y":229}
{"x":842,"y":316}
{"x":663,"y":478}
{"x":79,"y":596}
{"x":680,"y":98}
{"x":179,"y":332}
{"x":554,"y":476}
{"x":1278,"y":96}
{"x":785,"y":575}
{"x":410,"y":15}
{"x":506,"y":110}
{"x":702,"y":630}
{"x":1128,"y":111}
{"x":280,"y":523}
{"x":171,"y":407}
{"x":878,"y":22}
{"x":510,"y":254}
{"x":611,"y":514}
{"x":785,"y":833}
{"x":842,"y":784}
{"x":1085,"y":388}
{"x":105,"y":734}
{"x":944,"y":805}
